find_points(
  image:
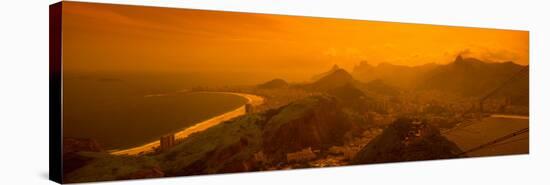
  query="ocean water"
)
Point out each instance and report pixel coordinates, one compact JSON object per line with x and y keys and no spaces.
{"x":121,"y":113}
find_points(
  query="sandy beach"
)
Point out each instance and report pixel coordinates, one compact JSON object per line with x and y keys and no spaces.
{"x":201,"y":126}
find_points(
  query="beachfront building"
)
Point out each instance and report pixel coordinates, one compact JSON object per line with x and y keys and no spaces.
{"x":167,"y":142}
{"x":248,"y":108}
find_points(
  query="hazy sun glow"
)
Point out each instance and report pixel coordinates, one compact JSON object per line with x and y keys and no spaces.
{"x":134,"y":38}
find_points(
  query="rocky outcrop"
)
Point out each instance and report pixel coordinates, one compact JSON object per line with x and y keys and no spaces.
{"x":71,"y":149}
{"x":316,"y":122}
{"x":407,"y":140}
{"x":71,"y":145}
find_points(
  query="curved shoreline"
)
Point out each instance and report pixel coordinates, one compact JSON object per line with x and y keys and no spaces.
{"x":198,"y":127}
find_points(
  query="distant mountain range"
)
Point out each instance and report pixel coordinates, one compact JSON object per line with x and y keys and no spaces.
{"x":464,"y":76}
{"x":405,"y":77}
{"x":473,"y":77}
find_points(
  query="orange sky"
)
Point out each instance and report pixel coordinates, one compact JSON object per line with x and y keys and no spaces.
{"x":99,"y":37}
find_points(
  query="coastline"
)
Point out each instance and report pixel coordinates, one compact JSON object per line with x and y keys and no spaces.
{"x":254,"y":100}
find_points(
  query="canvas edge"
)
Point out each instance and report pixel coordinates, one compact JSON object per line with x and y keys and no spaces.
{"x":55,"y":96}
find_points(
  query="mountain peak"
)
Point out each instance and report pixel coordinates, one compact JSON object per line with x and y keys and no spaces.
{"x":339,"y":73}
{"x":336,"y":78}
{"x":334,"y":68}
{"x":275,"y":83}
{"x":468,"y":61}
{"x":459,"y":58}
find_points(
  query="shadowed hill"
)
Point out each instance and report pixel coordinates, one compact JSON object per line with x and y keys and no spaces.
{"x":71,"y":149}
{"x":85,"y":161}
{"x":463,"y":76}
{"x":405,"y":77}
{"x":353,"y":97}
{"x":335,"y":79}
{"x":348,"y":93}
{"x":407,"y":140}
{"x":322,"y":75}
{"x":380,"y":87}
{"x":473,"y":77}
{"x":316,"y":122}
{"x":273,"y":84}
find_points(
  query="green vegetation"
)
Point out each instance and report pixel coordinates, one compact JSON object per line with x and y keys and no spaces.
{"x":109,"y":167}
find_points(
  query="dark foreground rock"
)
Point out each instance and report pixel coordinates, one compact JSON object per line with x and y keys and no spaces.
{"x":154,"y":172}
{"x":71,"y":149}
{"x":316,"y":122}
{"x":71,"y":145}
{"x":407,"y":140}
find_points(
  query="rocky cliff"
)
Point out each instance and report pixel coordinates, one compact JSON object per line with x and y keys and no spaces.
{"x":407,"y":140}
